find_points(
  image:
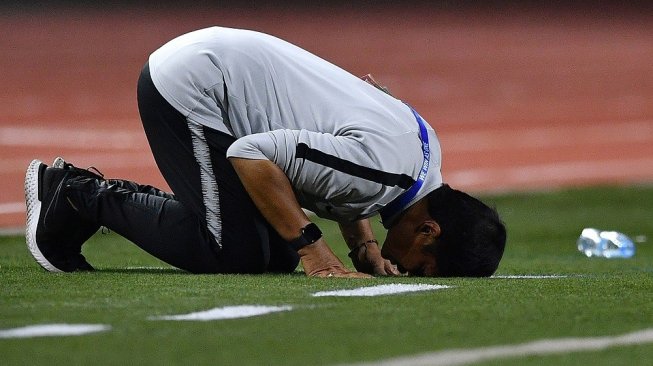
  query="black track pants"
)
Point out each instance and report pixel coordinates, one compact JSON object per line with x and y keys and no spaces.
{"x":209,"y":225}
{"x":158,"y":224}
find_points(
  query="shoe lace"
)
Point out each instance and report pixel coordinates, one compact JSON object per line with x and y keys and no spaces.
{"x":53,"y":203}
{"x":95,"y":170}
{"x":91,"y":169}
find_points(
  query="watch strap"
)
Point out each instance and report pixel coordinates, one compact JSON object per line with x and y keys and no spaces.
{"x":310,"y":234}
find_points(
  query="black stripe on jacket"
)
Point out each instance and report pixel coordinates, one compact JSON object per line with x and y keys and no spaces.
{"x":388,"y":179}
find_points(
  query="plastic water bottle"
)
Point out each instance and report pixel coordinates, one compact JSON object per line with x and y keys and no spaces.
{"x":606,"y":244}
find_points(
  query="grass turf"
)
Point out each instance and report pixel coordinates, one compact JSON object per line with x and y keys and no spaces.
{"x":598,"y":297}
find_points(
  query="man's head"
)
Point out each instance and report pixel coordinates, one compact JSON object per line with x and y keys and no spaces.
{"x":447,"y":233}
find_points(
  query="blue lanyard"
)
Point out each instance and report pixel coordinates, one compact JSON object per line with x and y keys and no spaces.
{"x":399,"y":203}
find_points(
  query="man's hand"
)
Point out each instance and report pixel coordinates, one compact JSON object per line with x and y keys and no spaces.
{"x":272,"y":193}
{"x":365,"y":253}
{"x":319,"y":261}
{"x":367,"y":258}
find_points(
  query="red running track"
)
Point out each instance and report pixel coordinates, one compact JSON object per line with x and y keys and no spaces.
{"x":521,"y":100}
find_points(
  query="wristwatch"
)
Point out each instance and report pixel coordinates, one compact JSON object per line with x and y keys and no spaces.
{"x":310,"y":234}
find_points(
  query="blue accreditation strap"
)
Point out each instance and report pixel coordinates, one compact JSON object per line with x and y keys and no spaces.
{"x":399,"y":203}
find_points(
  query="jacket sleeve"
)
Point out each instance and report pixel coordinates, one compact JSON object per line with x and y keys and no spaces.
{"x":338,"y":177}
{"x":277,"y":146}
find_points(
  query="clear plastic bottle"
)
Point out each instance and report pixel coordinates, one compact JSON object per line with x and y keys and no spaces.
{"x":606,"y":244}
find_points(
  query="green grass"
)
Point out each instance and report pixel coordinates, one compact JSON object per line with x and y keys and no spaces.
{"x":598,"y":298}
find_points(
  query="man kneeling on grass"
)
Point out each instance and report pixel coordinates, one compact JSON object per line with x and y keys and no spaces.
{"x":247,"y":129}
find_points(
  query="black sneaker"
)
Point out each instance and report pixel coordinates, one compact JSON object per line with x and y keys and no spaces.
{"x":54,"y":229}
{"x":85,"y":229}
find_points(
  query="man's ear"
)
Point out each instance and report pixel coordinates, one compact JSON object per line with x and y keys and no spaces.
{"x":430,"y":228}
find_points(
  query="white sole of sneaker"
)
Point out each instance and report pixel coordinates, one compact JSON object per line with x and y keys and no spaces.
{"x":33,"y":214}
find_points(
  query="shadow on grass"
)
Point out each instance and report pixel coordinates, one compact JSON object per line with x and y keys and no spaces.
{"x":143,"y":270}
{"x":175,"y":271}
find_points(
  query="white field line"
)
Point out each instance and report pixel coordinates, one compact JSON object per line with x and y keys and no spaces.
{"x":99,"y":158}
{"x":525,"y":137}
{"x":228,"y":312}
{"x":536,"y":348}
{"x":551,"y":173}
{"x":44,"y":135}
{"x":12,"y":231}
{"x":71,"y":137}
{"x":538,"y":277}
{"x":12,"y":208}
{"x":53,"y":330}
{"x":390,"y":289}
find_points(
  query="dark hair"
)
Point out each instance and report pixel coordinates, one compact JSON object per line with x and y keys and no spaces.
{"x":472,"y":237}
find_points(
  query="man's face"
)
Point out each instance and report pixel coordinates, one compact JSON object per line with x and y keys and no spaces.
{"x":405,"y":243}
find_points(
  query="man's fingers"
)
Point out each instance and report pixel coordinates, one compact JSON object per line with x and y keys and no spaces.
{"x":386,"y":268}
{"x":391,"y":269}
{"x":393,"y":272}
